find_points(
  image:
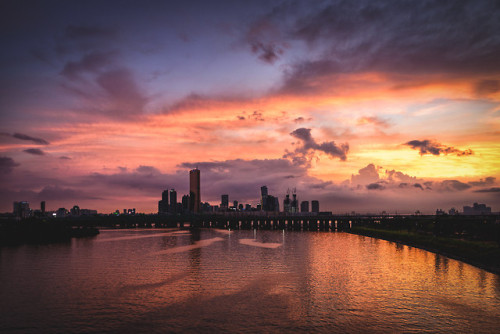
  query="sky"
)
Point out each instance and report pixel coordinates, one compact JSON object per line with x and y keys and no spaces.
{"x":366,"y":106}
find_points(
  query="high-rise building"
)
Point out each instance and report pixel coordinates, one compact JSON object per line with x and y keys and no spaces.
{"x":42,"y":207}
{"x":263,"y":197}
{"x":304,"y":206}
{"x":173,"y":201}
{"x":163,"y":204}
{"x":185,"y":203}
{"x":314,"y":206}
{"x":75,"y":211}
{"x":224,"y":202}
{"x":22,"y":209}
{"x":287,"y":204}
{"x":194,"y":190}
{"x":294,"y":207}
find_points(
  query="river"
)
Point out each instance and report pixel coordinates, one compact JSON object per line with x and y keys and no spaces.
{"x":204,"y":281}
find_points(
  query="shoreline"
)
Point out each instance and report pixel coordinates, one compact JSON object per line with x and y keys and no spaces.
{"x":443,"y":246}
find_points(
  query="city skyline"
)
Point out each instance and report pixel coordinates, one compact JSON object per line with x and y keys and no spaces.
{"x":362,"y":106}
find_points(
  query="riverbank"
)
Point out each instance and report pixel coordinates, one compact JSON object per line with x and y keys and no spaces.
{"x":40,"y":232}
{"x":484,"y":255}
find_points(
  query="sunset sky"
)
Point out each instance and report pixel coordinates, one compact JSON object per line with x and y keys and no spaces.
{"x":362,"y":105}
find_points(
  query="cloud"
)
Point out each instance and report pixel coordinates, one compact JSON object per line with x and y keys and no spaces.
{"x":430,"y":147}
{"x":373,"y":120}
{"x":368,"y":174}
{"x":124,"y":95}
{"x":64,"y":157}
{"x":34,"y":151}
{"x":408,"y":38}
{"x":452,"y":185}
{"x":487,"y":87}
{"x":489,"y":190}
{"x":483,"y":182}
{"x":60,"y":193}
{"x":397,"y":176}
{"x":84,"y":32}
{"x":263,"y":37}
{"x":305,"y":152}
{"x":7,"y":165}
{"x":22,"y":136}
{"x":418,"y":185}
{"x":90,"y":63}
{"x":375,"y":186}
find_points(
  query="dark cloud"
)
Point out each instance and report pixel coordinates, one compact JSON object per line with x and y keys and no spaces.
{"x":488,"y":181}
{"x":7,"y":165}
{"x":489,"y":190}
{"x":34,"y":151}
{"x":89,"y":63}
{"x":241,"y":118}
{"x":418,"y":185}
{"x":33,"y":139}
{"x":299,"y":119}
{"x":375,"y":186}
{"x":453,"y":185}
{"x":305,"y":152}
{"x":22,"y":136}
{"x":430,"y":147}
{"x":147,"y":170}
{"x":487,"y":87}
{"x":264,"y":40}
{"x":394,"y":37}
{"x":85,"y":32}
{"x":64,"y":157}
{"x":60,"y":193}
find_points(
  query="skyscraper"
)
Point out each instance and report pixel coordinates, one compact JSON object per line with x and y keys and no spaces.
{"x":263,"y":197}
{"x":194,"y":190}
{"x":304,"y":206}
{"x":314,"y":206}
{"x":173,"y":201}
{"x":162,"y":205}
{"x":224,"y":201}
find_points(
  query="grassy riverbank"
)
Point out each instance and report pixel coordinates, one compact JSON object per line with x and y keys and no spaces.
{"x":485,"y":255}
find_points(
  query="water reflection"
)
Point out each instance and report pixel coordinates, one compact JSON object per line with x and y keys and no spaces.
{"x":253,"y":281}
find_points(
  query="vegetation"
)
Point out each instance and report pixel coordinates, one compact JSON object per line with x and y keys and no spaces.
{"x":481,"y":253}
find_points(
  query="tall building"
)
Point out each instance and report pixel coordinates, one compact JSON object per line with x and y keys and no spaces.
{"x":224,"y":202}
{"x":185,"y":203}
{"x":287,"y":204}
{"x":163,"y":204}
{"x":304,"y":206}
{"x":294,"y":207}
{"x":173,"y":201}
{"x":42,"y":207}
{"x":194,"y":190}
{"x":477,"y":209}
{"x":22,"y":209}
{"x":263,"y":197}
{"x":314,"y":206}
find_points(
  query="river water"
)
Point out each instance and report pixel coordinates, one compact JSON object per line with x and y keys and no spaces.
{"x":211,"y":280}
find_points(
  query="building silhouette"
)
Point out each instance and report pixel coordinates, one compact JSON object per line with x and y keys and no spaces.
{"x":224,"y":202}
{"x":314,"y":206}
{"x":194,"y":190}
{"x":22,"y":209}
{"x":304,"y":206}
{"x":173,"y":201}
{"x":477,"y":209}
{"x":162,"y":205}
{"x":42,"y":207}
